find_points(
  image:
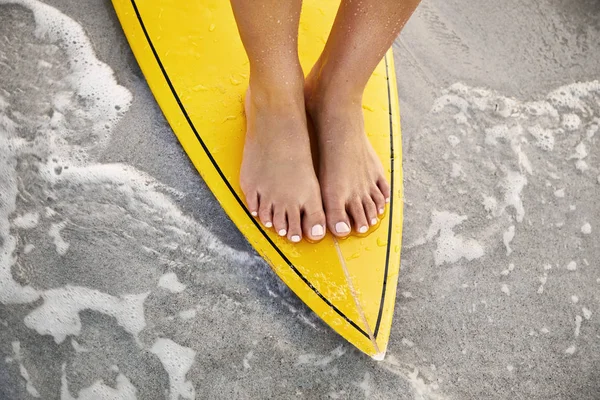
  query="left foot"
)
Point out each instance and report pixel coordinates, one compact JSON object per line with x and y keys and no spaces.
{"x":353,"y":184}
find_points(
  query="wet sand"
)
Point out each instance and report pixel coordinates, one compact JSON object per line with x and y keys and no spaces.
{"x":125,"y":277}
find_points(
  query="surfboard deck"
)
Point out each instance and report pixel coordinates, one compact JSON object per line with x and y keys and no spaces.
{"x":194,"y":62}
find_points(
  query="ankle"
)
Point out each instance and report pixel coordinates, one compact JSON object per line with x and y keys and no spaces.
{"x":325,"y":86}
{"x":324,"y":98}
{"x":277,"y":87}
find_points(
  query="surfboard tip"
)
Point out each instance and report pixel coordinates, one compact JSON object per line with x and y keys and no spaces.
{"x":379,"y":356}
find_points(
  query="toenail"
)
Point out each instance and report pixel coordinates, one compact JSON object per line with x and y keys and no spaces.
{"x":374,"y":221}
{"x":342,"y":227}
{"x":282,"y":232}
{"x":254,"y":213}
{"x":295,"y":238}
{"x":317,"y":231}
{"x":381,"y":210}
{"x":269,"y":224}
{"x":387,"y":199}
{"x":363,"y":229}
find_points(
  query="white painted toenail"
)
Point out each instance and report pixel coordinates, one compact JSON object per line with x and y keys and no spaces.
{"x":254,"y":213}
{"x":374,"y":221}
{"x":387,"y":199}
{"x":295,"y":238}
{"x":282,"y":232}
{"x":317,"y":231}
{"x":381,"y":210}
{"x":363,"y":229}
{"x":269,"y":224}
{"x":342,"y":227}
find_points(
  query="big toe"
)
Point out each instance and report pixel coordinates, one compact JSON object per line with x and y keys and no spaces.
{"x":338,"y":221}
{"x":313,"y":221}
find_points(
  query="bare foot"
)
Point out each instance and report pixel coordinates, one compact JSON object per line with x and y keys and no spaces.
{"x":353,"y":184}
{"x":277,"y":175}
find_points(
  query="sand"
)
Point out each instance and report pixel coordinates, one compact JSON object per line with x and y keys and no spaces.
{"x":122,"y":278}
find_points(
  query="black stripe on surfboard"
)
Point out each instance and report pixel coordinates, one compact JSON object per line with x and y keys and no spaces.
{"x":390,"y":226}
{"x":241,"y":203}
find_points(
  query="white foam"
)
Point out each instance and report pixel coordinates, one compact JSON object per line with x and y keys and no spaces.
{"x":366,"y":385}
{"x":578,"y":320}
{"x":490,"y":203}
{"x":16,"y":346}
{"x":571,"y":122}
{"x":575,"y":299}
{"x":247,"y":358}
{"x":456,"y":170}
{"x":580,"y":152}
{"x":572,"y":96}
{"x":587,"y":314}
{"x":453,"y":140}
{"x":26,"y":221}
{"x":508,"y":270}
{"x":320,"y":360}
{"x":10,"y":291}
{"x":507,"y":237}
{"x":77,"y":347}
{"x":513,"y":184}
{"x":59,"y":315}
{"x":581,"y":166}
{"x":99,"y":390}
{"x":451,"y":247}
{"x":187,"y":314}
{"x":543,"y":281}
{"x":90,"y":78}
{"x":59,"y":243}
{"x":586,"y":228}
{"x":544,"y":137}
{"x":170,"y":282}
{"x":176,"y":360}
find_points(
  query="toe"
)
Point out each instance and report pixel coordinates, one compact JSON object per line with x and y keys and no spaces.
{"x":313,"y":221}
{"x":294,"y":233}
{"x":265,"y":213}
{"x":338,"y":222}
{"x":370,"y":210}
{"x":252,"y":202}
{"x":357,"y":213}
{"x":378,"y":199}
{"x":384,"y":187}
{"x":280,"y":221}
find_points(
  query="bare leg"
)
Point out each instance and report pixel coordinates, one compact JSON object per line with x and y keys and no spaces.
{"x":352,"y":179}
{"x":277,"y":175}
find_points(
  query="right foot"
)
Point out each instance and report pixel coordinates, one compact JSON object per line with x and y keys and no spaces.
{"x":277,"y":174}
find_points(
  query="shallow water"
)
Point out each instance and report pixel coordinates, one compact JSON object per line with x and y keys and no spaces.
{"x":115,"y":285}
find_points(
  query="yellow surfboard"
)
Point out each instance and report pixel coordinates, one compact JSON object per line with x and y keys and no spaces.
{"x":193,"y":59}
